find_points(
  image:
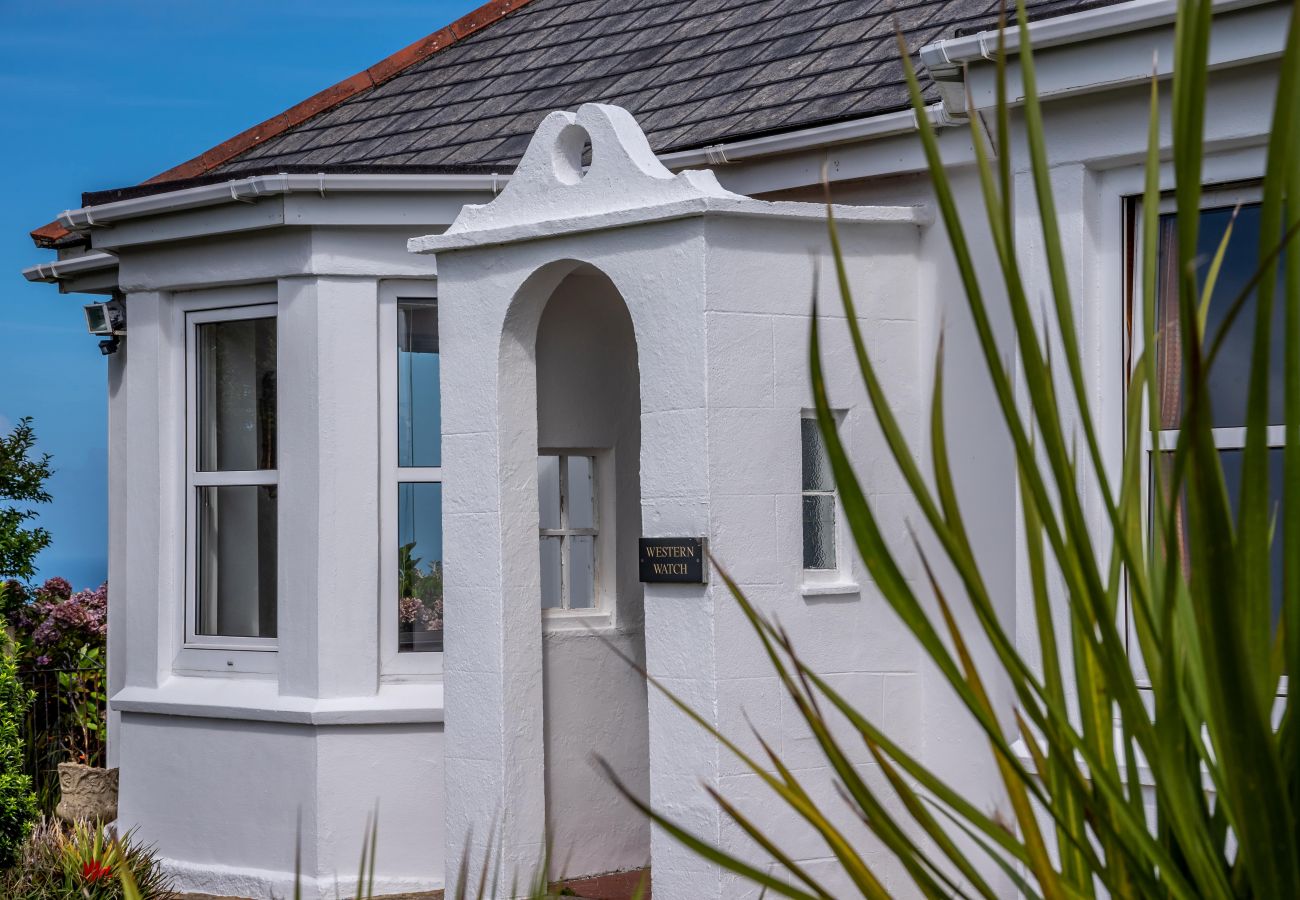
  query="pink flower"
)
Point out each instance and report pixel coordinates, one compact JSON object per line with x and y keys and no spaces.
{"x":409,"y":610}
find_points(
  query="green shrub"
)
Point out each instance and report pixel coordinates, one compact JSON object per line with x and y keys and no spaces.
{"x":17,"y":802}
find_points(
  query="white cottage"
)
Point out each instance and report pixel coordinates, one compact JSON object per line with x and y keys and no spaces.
{"x":406,"y":373}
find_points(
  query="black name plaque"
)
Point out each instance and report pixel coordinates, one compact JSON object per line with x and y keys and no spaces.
{"x":679,"y":560}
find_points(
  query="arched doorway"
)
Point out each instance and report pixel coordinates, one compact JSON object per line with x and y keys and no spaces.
{"x":589,"y":503}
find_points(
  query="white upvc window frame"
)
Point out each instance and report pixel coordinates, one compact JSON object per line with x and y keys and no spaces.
{"x":1225,"y":438}
{"x":194,"y":479}
{"x":395,"y":665}
{"x":602,"y":611}
{"x":1228,"y":438}
{"x":839,"y":578}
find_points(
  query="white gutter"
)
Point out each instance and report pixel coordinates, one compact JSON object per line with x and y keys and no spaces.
{"x":251,"y":189}
{"x":1071,"y":28}
{"x":883,"y":125}
{"x":52,"y":272}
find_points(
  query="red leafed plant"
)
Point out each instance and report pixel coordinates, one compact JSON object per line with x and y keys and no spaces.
{"x":93,"y":870}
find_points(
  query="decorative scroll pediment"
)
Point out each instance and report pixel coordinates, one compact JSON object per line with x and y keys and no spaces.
{"x":551,"y":184}
{"x":552,"y":193}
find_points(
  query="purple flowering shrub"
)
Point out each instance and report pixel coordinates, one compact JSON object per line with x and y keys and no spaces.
{"x":53,"y":626}
{"x":59,"y":637}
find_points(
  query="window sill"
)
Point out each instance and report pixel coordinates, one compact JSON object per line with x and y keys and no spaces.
{"x":259,"y":700}
{"x":577,"y":621}
{"x":830,"y":589}
{"x":238,"y":662}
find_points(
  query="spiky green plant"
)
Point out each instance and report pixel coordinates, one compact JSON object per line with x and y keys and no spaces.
{"x":1214,"y":710}
{"x":84,"y":862}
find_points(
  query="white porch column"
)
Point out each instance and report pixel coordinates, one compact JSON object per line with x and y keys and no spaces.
{"x":329,"y":483}
{"x":118,"y":494}
{"x":150,"y":468}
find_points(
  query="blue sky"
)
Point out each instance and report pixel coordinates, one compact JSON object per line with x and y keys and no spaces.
{"x":101,"y":95}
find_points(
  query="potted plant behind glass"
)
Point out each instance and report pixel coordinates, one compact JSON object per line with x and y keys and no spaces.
{"x":419,"y":605}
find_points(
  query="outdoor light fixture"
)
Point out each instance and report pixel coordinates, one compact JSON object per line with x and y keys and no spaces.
{"x":107,"y":319}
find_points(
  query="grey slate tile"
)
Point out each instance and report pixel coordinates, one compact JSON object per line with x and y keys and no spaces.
{"x":694,"y":71}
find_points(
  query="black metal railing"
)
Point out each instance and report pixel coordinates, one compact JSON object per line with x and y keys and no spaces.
{"x":67,"y":722}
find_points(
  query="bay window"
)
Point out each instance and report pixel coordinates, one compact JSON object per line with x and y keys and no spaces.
{"x":231,"y":474}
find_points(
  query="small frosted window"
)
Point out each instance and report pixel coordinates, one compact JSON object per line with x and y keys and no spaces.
{"x":552,"y":586}
{"x":818,"y":499}
{"x":582,"y":513}
{"x":566,"y":487}
{"x":582,"y":568}
{"x":548,"y":490}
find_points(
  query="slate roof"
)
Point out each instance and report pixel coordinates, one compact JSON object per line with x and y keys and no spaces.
{"x":694,"y":72}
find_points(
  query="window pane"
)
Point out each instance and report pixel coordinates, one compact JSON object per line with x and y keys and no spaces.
{"x":1230,"y":378}
{"x":419,"y":407}
{"x":582,"y":566}
{"x":236,"y":395}
{"x":419,"y":559}
{"x":581,"y":495}
{"x":548,"y":490}
{"x":236,"y":561}
{"x":819,"y":531}
{"x":1232,"y":462}
{"x":551,"y":555}
{"x":816,"y":467}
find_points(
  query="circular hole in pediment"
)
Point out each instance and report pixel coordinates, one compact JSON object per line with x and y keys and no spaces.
{"x":571,"y":154}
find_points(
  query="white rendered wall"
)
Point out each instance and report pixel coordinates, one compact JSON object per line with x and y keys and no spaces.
{"x":221,"y":801}
{"x":760,"y":295}
{"x":595,"y":702}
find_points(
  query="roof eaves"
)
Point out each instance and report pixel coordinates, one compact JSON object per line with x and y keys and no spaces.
{"x":50,"y":235}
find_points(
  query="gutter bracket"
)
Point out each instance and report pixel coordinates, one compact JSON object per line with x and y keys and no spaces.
{"x":716,"y":154}
{"x":234,"y":193}
{"x":950,"y":79}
